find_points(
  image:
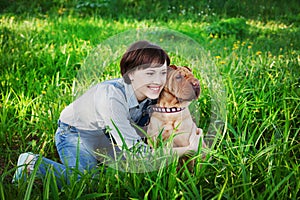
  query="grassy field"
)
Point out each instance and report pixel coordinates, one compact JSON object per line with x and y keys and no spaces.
{"x":44,"y":46}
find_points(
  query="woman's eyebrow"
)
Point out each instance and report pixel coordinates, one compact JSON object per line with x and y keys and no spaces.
{"x":150,"y":70}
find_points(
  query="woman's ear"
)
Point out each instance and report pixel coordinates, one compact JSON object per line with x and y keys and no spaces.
{"x":131,"y":76}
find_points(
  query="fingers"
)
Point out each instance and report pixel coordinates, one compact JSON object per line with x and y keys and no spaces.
{"x":196,"y":138}
{"x":199,"y":131}
{"x":194,"y":141}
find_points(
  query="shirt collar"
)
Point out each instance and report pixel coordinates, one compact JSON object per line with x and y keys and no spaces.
{"x":130,"y":96}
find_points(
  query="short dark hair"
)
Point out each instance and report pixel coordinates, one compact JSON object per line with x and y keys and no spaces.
{"x":141,"y":55}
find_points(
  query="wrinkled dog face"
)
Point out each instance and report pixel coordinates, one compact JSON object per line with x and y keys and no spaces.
{"x":188,"y":87}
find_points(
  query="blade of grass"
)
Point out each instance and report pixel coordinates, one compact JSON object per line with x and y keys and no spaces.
{"x":276,"y":188}
{"x":31,"y":180}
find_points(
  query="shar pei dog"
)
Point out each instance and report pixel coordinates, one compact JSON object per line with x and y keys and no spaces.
{"x":171,"y":119}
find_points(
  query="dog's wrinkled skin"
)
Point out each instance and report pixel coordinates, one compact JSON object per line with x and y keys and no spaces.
{"x":181,"y":88}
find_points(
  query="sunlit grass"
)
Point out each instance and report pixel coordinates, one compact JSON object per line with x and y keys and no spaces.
{"x":256,"y":157}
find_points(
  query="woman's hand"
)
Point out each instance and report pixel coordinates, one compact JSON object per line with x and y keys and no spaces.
{"x":195,"y":139}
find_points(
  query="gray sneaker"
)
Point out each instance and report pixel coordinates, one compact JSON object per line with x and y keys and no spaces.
{"x":21,"y":166}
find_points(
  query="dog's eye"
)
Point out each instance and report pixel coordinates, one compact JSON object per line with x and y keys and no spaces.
{"x":178,"y":77}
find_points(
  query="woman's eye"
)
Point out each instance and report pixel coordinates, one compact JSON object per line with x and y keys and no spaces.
{"x":149,"y":73}
{"x":164,"y":73}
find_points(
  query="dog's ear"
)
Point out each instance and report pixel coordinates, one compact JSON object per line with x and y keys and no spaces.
{"x":188,"y":68}
{"x":173,"y":66}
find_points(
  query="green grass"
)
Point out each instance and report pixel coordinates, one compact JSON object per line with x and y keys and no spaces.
{"x":255,"y":157}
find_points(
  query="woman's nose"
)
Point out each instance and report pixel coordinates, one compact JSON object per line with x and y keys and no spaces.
{"x":160,"y":79}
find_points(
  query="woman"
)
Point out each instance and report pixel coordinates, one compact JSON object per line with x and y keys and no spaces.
{"x":103,"y":119}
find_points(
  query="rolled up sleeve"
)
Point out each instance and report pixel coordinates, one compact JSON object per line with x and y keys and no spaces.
{"x":114,"y":110}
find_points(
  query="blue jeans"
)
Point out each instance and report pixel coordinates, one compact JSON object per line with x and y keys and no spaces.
{"x":76,"y":150}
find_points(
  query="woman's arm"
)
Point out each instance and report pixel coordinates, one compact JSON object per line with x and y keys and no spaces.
{"x":143,"y":149}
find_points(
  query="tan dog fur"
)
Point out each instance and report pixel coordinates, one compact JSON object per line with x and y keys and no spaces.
{"x":180,"y":89}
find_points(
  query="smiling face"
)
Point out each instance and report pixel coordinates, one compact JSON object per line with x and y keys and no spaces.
{"x":148,"y":82}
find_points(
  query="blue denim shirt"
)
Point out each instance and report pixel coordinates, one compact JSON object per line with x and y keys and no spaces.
{"x":105,"y":104}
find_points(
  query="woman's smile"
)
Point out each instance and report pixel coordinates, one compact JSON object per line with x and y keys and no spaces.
{"x":155,"y":88}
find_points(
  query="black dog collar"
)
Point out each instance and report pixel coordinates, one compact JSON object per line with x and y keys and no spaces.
{"x":166,"y":109}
